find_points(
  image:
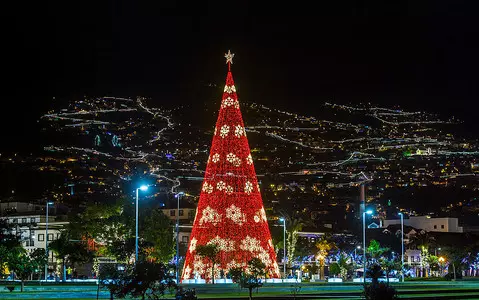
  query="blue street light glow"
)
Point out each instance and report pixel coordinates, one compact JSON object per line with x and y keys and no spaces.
{"x":49,"y":203}
{"x":144,"y":187}
{"x":369,"y":212}
{"x":281,"y":219}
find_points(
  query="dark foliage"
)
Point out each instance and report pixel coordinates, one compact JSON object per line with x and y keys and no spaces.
{"x":379,"y":291}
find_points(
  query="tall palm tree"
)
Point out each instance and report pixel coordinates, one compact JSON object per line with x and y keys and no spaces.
{"x":294,"y":224}
{"x":422,"y":241}
{"x":324,"y":246}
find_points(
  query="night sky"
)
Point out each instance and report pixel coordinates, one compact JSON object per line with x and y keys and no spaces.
{"x":414,"y":55}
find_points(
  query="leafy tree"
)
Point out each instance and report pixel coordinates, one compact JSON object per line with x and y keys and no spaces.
{"x":344,"y":265}
{"x":433,"y":262}
{"x":252,"y":279}
{"x":159,"y":236}
{"x":109,"y":224}
{"x":375,"y":250}
{"x":389,"y":265}
{"x":109,"y":277}
{"x":210,"y":252}
{"x":24,"y":264}
{"x":236,"y":274}
{"x":9,"y":244}
{"x":334,"y":269}
{"x":374,"y":272}
{"x":423,"y":241}
{"x":380,"y":291}
{"x":144,"y":279}
{"x":69,"y":249}
{"x":324,"y":246}
{"x":294,"y":224}
{"x":456,"y":256}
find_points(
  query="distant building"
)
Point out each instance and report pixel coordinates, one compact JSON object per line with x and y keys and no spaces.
{"x":22,"y":207}
{"x":31,"y":227}
{"x":429,"y":224}
{"x":186,"y":216}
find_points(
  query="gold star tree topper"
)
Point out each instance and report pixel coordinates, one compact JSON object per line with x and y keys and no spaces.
{"x":229,"y":57}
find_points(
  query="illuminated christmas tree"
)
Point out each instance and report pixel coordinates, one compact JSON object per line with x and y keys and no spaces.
{"x":230,"y":211}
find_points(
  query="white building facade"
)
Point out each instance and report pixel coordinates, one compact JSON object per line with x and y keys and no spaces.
{"x":429,"y":224}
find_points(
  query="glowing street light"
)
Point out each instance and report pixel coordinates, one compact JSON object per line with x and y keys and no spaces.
{"x":284,"y":245}
{"x":143,"y":188}
{"x":402,"y":246}
{"x":178,"y":196}
{"x":46,"y":239}
{"x":369,"y":212}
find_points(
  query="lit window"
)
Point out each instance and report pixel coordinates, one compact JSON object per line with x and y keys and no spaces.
{"x":172,"y":213}
{"x":41,"y":237}
{"x":50,"y":237}
{"x":180,"y":213}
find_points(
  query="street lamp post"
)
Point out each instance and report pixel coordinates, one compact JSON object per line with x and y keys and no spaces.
{"x":143,"y":188}
{"x":355,"y":258}
{"x":46,"y":239}
{"x":178,"y":196}
{"x":402,"y":246}
{"x":369,"y":212}
{"x":284,"y":245}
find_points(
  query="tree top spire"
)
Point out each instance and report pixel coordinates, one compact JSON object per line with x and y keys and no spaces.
{"x":229,"y":59}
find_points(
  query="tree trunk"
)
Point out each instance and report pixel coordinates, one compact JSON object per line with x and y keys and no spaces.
{"x":63,"y":270}
{"x":22,"y":285}
{"x":213,"y":274}
{"x":454,"y":270}
{"x":250,"y":292}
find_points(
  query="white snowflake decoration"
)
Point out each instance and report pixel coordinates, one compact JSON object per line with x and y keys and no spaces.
{"x":233,"y":264}
{"x":230,"y":102}
{"x":275,"y":268}
{"x":223,"y":244}
{"x":263,"y":214}
{"x":207,"y":188}
{"x":210,"y":215}
{"x":264,"y":256}
{"x":187,"y":272}
{"x":260,"y":215}
{"x":224,"y":131}
{"x":230,"y":89}
{"x":193,"y":245}
{"x":236,"y":161}
{"x":249,"y":159}
{"x":248,"y":187}
{"x":221,"y":185}
{"x":217,"y":272}
{"x":250,"y":244}
{"x":215,"y":158}
{"x":239,"y":131}
{"x":198,"y":265}
{"x":229,"y":190}
{"x":270,"y":243}
{"x":234,"y":213}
